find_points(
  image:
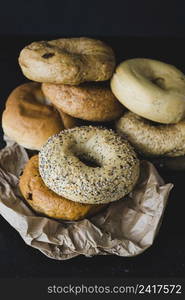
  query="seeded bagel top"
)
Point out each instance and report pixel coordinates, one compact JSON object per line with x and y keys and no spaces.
{"x":89,"y":165}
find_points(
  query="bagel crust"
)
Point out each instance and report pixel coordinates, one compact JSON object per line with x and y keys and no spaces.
{"x":68,"y":121}
{"x":152,"y":89}
{"x":45,"y":201}
{"x":67,"y":61}
{"x":28,"y":119}
{"x":152,"y":139}
{"x":64,"y":168}
{"x":87,"y":102}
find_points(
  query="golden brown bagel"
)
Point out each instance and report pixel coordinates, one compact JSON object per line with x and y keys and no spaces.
{"x":28,"y":119}
{"x":67,"y":61}
{"x":87,"y":102}
{"x":152,"y":139}
{"x":45,"y":201}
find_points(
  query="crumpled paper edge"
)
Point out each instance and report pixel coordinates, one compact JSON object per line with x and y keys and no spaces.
{"x":126,"y":228}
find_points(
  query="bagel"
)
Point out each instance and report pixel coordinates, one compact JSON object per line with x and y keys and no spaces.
{"x":152,"y":139}
{"x":87,"y":102}
{"x":28,"y":119}
{"x":68,"y":121}
{"x":151,"y":89}
{"x":67,"y":61}
{"x":89,"y":165}
{"x":45,"y":201}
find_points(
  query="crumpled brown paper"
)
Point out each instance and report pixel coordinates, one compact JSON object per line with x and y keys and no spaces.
{"x":126,"y":228}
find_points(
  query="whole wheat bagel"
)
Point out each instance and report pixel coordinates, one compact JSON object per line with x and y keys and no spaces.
{"x":45,"y":201}
{"x":151,"y":89}
{"x":67,"y":61}
{"x":64,"y":165}
{"x":152,"y":139}
{"x":28,"y":118}
{"x":87,"y":102}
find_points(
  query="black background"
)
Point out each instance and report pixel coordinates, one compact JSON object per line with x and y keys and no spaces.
{"x":97,"y":17}
{"x":133,"y":29}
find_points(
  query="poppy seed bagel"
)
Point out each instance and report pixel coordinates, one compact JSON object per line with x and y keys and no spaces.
{"x":64,"y":165}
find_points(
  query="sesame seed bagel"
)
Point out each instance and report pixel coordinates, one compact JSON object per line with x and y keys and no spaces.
{"x":89,"y":165}
{"x":87,"y":102}
{"x":152,"y":89}
{"x":152,"y":139}
{"x":29,"y":119}
{"x":45,"y":201}
{"x":67,"y":61}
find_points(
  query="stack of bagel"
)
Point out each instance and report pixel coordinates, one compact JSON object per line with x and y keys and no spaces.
{"x":82,"y":166}
{"x":84,"y":117}
{"x":154,"y":94}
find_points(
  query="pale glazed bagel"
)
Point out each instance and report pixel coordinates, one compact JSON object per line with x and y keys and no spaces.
{"x":151,"y":89}
{"x":45,"y":201}
{"x":64,"y":169}
{"x":87,"y":102}
{"x":67,"y":61}
{"x":28,"y":119}
{"x":152,"y":139}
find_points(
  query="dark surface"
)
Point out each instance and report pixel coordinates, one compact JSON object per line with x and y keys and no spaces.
{"x":166,"y":258}
{"x":71,"y":17}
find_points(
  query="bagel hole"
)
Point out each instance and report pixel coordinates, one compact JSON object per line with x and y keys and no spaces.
{"x":88,"y":161}
{"x":159,"y":81}
{"x":29,"y":196}
{"x":48,"y":55}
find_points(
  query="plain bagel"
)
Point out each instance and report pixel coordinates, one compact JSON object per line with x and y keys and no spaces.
{"x":87,"y":102}
{"x":151,"y":89}
{"x":45,"y":201}
{"x":67,"y":61}
{"x":64,"y":165}
{"x":28,"y":119}
{"x":152,"y":139}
